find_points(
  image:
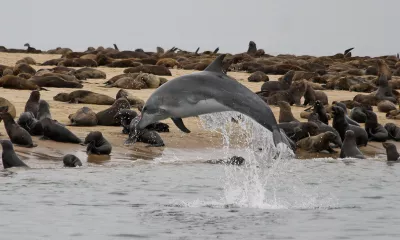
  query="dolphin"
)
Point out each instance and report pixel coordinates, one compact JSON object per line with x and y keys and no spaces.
{"x":206,"y":92}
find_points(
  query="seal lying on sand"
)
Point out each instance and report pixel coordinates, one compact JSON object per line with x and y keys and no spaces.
{"x":319,"y":142}
{"x":106,"y":117}
{"x":70,"y":160}
{"x":391,"y":152}
{"x":83,"y":117}
{"x":56,"y":132}
{"x":205,"y":92}
{"x":349,"y":148}
{"x":393,"y":131}
{"x":84,"y":96}
{"x":97,"y":144}
{"x":16,"y":133}
{"x":9,"y":157}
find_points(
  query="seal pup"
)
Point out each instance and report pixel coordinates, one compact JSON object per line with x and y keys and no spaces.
{"x":284,"y":84}
{"x":16,"y":133}
{"x":376,"y":132}
{"x":349,"y":148}
{"x":391,"y":152}
{"x":70,"y":160}
{"x":205,"y":92}
{"x":135,"y":102}
{"x":393,"y":131}
{"x":319,"y":142}
{"x":143,"y":135}
{"x":358,"y":115}
{"x":341,"y":125}
{"x":32,"y":105}
{"x":106,"y":117}
{"x":44,"y":110}
{"x":55,"y":131}
{"x":299,"y":130}
{"x":234,"y":160}
{"x":349,"y":120}
{"x":97,"y":144}
{"x":322,"y":127}
{"x":28,"y":122}
{"x":320,"y":110}
{"x":83,"y":117}
{"x":9,"y":157}
{"x":125,"y":116}
{"x":285,"y":113}
{"x":386,"y":106}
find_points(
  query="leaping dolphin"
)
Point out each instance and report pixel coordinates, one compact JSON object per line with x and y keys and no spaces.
{"x":206,"y":92}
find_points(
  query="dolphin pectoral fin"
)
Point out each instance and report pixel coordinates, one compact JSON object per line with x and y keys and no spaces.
{"x":280,"y":136}
{"x":179,"y":123}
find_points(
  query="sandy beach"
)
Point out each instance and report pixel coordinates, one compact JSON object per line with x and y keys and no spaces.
{"x":198,"y":138}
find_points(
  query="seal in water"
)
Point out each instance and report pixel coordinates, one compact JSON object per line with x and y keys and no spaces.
{"x":16,"y":133}
{"x":143,"y":135}
{"x":44,"y":110}
{"x":349,"y":148}
{"x":106,"y":117}
{"x":83,"y":117}
{"x":234,"y":160}
{"x":319,"y":142}
{"x":125,"y":116}
{"x":393,"y":131}
{"x":349,"y":120}
{"x":391,"y":152}
{"x":32,"y":105}
{"x":376,"y":132}
{"x":206,"y":92}
{"x":70,"y":160}
{"x":285,"y":113}
{"x":28,"y":122}
{"x":97,"y":144}
{"x":9,"y":157}
{"x":341,"y":125}
{"x":55,"y":131}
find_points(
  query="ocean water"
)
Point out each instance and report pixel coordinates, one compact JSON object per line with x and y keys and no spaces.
{"x":179,"y":196}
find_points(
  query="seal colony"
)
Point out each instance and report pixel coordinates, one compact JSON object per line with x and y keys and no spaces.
{"x":341,"y":128}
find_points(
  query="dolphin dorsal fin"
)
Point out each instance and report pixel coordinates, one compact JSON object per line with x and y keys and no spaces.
{"x":216,"y":65}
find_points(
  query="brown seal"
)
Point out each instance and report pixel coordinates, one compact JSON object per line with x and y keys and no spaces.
{"x":293,"y":95}
{"x":84,"y":96}
{"x":156,"y":70}
{"x":83,"y":117}
{"x":17,"y":134}
{"x":386,"y":106}
{"x":128,"y":83}
{"x":124,"y":63}
{"x":106,"y":117}
{"x":85,"y":73}
{"x":24,"y":68}
{"x":14,"y":82}
{"x":319,"y":142}
{"x":133,"y":101}
{"x":285,"y":113}
{"x":116,"y":78}
{"x":258,"y":77}
{"x":7,"y":106}
{"x":32,"y":105}
{"x":54,"y":81}
{"x":77,"y":62}
{"x":168,"y":63}
{"x":366,"y":99}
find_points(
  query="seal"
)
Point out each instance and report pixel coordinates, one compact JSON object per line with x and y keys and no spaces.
{"x":14,"y":82}
{"x":299,"y":130}
{"x":44,"y":110}
{"x":376,"y":132}
{"x":393,"y":131}
{"x":28,"y":122}
{"x":135,"y":102}
{"x":55,"y":131}
{"x":125,"y":116}
{"x":386,"y":106}
{"x":273,"y":86}
{"x":97,"y":144}
{"x":349,"y":148}
{"x":116,"y":78}
{"x":321,"y":111}
{"x":358,"y":115}
{"x":9,"y":157}
{"x":143,"y":135}
{"x":285,"y":113}
{"x":319,"y":142}
{"x":234,"y":160}
{"x":391,"y":152}
{"x":384,"y":91}
{"x":54,"y":81}
{"x":205,"y":92}
{"x":8,"y":107}
{"x":322,"y":127}
{"x":341,"y":125}
{"x":293,"y":95}
{"x":348,"y":119}
{"x":85,"y":73}
{"x":83,"y":117}
{"x":156,"y":70}
{"x":106,"y":117}
{"x":70,"y":160}
{"x":16,"y":133}
{"x":129,"y":83}
{"x":258,"y":76}
{"x":252,"y":48}
{"x":84,"y":96}
{"x":32,"y":105}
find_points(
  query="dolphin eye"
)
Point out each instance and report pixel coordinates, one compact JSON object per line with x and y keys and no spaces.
{"x":144,"y":109}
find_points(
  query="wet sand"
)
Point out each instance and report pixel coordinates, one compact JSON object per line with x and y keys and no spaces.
{"x":175,"y":139}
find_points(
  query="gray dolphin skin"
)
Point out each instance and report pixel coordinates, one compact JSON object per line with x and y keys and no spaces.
{"x":206,"y":92}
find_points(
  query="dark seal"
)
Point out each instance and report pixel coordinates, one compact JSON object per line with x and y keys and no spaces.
{"x":349,"y":148}
{"x":70,"y":160}
{"x":144,"y":136}
{"x":16,"y":133}
{"x":376,"y":132}
{"x":341,"y":125}
{"x":32,"y":105}
{"x":391,"y":152}
{"x":28,"y":122}
{"x":106,"y":117}
{"x":393,"y":131}
{"x":9,"y":157}
{"x":55,"y":131}
{"x":97,"y":144}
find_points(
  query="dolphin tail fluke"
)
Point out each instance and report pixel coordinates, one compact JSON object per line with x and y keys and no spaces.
{"x":280,"y":137}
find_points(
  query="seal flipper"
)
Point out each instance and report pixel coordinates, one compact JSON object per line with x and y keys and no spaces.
{"x":179,"y":123}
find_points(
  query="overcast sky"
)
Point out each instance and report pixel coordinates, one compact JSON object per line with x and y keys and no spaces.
{"x":315,"y":27}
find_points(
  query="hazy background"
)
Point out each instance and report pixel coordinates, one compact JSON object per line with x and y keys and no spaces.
{"x":315,"y":27}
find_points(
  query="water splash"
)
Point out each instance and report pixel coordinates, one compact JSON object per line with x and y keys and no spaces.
{"x":257,"y":184}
